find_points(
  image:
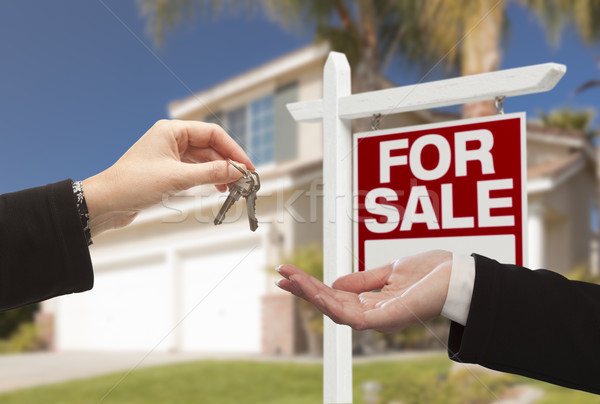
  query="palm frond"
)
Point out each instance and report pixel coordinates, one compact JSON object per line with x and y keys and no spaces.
{"x":587,"y":85}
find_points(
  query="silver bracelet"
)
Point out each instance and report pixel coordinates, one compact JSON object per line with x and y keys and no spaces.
{"x":82,"y":209}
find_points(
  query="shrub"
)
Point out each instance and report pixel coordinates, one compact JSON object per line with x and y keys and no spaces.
{"x":310,"y":259}
{"x":460,"y":387}
{"x":26,"y":338}
{"x":11,"y":319}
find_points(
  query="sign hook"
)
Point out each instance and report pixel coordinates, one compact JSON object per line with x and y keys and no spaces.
{"x":499,"y":101}
{"x":375,"y":121}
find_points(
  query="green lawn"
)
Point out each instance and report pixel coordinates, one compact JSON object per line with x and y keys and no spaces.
{"x":235,"y":382}
{"x":558,"y":395}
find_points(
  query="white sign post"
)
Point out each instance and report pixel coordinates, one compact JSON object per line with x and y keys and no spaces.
{"x":336,"y":110}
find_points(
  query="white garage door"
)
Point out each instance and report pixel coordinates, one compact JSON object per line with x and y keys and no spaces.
{"x":129,"y":308}
{"x":222,"y":292}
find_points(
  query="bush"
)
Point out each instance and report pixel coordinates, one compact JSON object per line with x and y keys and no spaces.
{"x":460,"y":387}
{"x":431,"y":335}
{"x":10,"y":320}
{"x":27,"y":338}
{"x":582,"y":273}
{"x":310,"y":259}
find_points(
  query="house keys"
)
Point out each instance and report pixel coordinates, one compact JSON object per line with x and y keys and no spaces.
{"x":247,"y":186}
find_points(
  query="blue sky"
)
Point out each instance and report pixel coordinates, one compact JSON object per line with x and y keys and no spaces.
{"x":77,"y":88}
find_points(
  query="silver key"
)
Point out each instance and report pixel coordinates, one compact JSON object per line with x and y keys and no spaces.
{"x":251,"y":202}
{"x":247,"y":186}
{"x":234,"y":195}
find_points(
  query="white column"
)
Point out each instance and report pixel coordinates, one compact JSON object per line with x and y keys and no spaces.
{"x":536,"y":232}
{"x":337,"y":224}
{"x":174,"y":267}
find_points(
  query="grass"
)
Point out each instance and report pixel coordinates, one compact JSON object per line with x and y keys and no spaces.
{"x":559,"y":395}
{"x":235,"y":382}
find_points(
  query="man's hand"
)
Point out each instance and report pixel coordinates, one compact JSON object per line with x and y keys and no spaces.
{"x":171,"y":157}
{"x":387,"y":299}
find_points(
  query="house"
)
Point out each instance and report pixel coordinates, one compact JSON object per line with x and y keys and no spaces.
{"x":562,"y":196}
{"x":173,"y":281}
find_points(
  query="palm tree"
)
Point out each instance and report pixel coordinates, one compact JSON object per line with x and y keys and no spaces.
{"x":371,"y":33}
{"x":591,"y":83}
{"x":472,"y":30}
{"x":566,"y":118}
{"x":467,"y":34}
{"x":461,"y":35}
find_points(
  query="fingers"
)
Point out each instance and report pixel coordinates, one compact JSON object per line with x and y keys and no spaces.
{"x":201,"y":134}
{"x":341,"y":307}
{"x":303,"y":285}
{"x":221,"y":187}
{"x":200,"y":155}
{"x":287,"y":284}
{"x":212,"y":172}
{"x":207,"y":145}
{"x":287,"y":270}
{"x":195,"y":155}
{"x":306,"y":284}
{"x":291,"y":287}
{"x":364,"y":281}
{"x":332,"y":308}
{"x":351,"y":301}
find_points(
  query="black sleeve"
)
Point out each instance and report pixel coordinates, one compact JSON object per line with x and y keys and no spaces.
{"x":43,"y":250}
{"x":533,"y":323}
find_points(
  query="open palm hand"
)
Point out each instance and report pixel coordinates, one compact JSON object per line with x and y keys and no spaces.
{"x":387,"y":299}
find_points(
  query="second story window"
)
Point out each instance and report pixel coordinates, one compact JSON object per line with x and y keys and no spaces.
{"x":261,"y":128}
{"x":237,"y":126}
{"x":252,"y":126}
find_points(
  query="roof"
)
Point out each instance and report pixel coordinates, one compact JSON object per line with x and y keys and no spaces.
{"x":554,"y":168}
{"x":266,"y":72}
{"x":547,"y":176}
{"x":534,"y":126}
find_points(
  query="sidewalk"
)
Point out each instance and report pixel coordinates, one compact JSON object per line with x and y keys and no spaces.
{"x":34,"y":369}
{"x":21,"y":371}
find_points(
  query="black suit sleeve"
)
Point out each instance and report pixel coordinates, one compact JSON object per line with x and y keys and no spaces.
{"x":533,"y":323}
{"x":43,"y":249}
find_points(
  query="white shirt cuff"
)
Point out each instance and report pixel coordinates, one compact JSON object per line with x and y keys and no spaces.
{"x":460,"y":289}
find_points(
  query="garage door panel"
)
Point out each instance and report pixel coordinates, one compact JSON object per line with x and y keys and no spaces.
{"x":221,"y":298}
{"x":129,"y":308}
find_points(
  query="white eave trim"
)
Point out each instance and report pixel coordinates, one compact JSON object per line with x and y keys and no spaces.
{"x":545,"y":184}
{"x":555,"y":139}
{"x":251,"y":78}
{"x":102,"y":261}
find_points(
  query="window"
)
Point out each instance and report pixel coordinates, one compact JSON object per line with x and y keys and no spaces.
{"x":261,"y":115}
{"x":252,"y":127}
{"x":237,"y":127}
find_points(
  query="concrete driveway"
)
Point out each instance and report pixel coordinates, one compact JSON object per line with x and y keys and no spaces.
{"x":34,"y":369}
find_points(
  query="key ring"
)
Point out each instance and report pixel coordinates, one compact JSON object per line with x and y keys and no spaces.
{"x":240,"y":169}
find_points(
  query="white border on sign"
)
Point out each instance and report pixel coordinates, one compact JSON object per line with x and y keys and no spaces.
{"x":499,"y":247}
{"x":502,"y":257}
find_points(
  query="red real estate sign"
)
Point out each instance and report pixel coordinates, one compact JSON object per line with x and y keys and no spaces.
{"x":459,"y":186}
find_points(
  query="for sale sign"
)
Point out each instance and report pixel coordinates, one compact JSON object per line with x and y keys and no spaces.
{"x":459,"y":186}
